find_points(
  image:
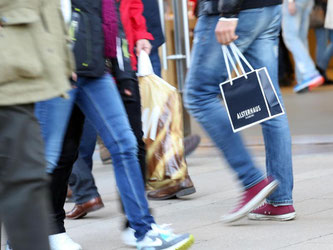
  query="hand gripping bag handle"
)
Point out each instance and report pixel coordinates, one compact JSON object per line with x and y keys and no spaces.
{"x":145,"y":67}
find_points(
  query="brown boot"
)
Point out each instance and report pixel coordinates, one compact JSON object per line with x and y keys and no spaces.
{"x":178,"y":190}
{"x":81,"y":210}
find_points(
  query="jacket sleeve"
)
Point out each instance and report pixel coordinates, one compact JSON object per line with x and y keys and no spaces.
{"x":138,"y":21}
{"x":230,"y":8}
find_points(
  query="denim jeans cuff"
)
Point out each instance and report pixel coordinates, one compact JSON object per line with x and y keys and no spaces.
{"x":280,"y":203}
{"x":255,"y":182}
{"x":85,"y":199}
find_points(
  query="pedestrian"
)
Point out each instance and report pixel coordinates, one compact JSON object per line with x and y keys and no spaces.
{"x":295,"y":27}
{"x":34,"y":66}
{"x":228,"y":21}
{"x":97,"y":99}
{"x":82,"y":184}
{"x":324,"y":41}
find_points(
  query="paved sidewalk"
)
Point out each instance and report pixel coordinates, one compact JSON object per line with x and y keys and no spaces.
{"x":311,"y":118}
{"x":199,"y":214}
{"x":216,"y":195}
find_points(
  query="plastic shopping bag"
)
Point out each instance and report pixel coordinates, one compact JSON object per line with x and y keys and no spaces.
{"x":163,"y":128}
{"x":249,"y":98}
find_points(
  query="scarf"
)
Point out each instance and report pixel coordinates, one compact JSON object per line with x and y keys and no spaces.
{"x":110,"y":28}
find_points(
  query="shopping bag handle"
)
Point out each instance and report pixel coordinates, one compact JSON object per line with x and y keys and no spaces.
{"x":145,"y":67}
{"x":237,"y":55}
{"x":227,"y":58}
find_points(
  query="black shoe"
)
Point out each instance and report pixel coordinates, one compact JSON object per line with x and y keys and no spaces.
{"x":323,"y":73}
{"x":191,"y":142}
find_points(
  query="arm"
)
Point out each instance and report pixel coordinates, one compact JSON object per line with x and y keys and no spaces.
{"x":226,"y":26}
{"x":230,"y":8}
{"x":141,"y":35}
{"x":291,"y":7}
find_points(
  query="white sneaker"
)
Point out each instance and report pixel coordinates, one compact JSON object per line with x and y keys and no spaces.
{"x":63,"y":242}
{"x":128,"y":237}
{"x":161,"y":238}
{"x":8,"y":247}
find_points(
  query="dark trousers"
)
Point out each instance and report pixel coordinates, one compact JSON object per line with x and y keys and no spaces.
{"x":24,"y":205}
{"x":128,"y":87}
{"x":60,"y":176}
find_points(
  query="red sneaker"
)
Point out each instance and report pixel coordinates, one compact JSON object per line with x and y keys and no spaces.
{"x":252,"y":197}
{"x":271,"y":212}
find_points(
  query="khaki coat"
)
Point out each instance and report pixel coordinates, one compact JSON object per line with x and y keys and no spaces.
{"x":35,"y":60}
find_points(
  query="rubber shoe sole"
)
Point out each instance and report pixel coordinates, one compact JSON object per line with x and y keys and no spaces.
{"x":183,"y":245}
{"x":255,"y":202}
{"x":309,"y":85}
{"x":179,"y":194}
{"x":282,"y":217}
{"x":317,"y":83}
{"x":186,"y":191}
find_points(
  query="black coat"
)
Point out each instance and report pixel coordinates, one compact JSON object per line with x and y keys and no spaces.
{"x":231,"y":8}
{"x":152,"y":15}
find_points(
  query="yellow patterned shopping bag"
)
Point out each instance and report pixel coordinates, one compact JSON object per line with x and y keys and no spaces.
{"x":163,"y":128}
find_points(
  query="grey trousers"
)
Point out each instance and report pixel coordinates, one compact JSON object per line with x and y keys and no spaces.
{"x":23,"y":183}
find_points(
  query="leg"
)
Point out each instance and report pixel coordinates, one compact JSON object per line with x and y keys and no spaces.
{"x":53,"y":116}
{"x":321,"y":43}
{"x":114,"y":129}
{"x":128,"y":87}
{"x":81,"y":180}
{"x":276,"y":131}
{"x":23,"y":185}
{"x":60,"y":176}
{"x":325,"y":57}
{"x":201,"y":99}
{"x":155,"y":61}
{"x":293,"y":31}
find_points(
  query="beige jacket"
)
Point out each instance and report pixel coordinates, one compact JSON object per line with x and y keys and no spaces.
{"x":35,"y":61}
{"x":329,"y":15}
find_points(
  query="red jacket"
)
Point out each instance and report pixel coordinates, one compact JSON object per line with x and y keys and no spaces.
{"x":134,"y":25}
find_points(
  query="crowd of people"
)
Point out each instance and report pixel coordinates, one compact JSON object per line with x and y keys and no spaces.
{"x":57,"y":96}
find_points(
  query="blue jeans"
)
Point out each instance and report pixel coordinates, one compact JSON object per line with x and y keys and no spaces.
{"x":324,"y":48}
{"x":81,"y":180}
{"x":259,"y":42}
{"x":53,"y":116}
{"x":295,"y":35}
{"x":99,"y":100}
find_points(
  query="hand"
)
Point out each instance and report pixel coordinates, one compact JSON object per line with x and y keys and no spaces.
{"x":142,"y":44}
{"x":225,"y":31}
{"x":292,"y":8}
{"x":74,"y":76}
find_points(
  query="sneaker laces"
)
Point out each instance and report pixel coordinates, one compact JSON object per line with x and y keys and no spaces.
{"x":262,"y":205}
